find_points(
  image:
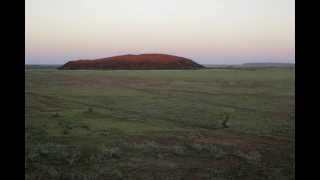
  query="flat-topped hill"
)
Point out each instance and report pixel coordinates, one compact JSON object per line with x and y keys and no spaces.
{"x":142,"y":61}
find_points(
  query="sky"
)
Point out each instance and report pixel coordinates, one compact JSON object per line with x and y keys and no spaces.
{"x":207,"y":31}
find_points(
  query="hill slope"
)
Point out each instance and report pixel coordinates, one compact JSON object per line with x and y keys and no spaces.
{"x":142,"y":61}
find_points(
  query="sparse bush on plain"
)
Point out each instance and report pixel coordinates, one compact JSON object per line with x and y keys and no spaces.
{"x":56,"y":115}
{"x":250,"y":156}
{"x":110,"y":152}
{"x":65,"y":131}
{"x":208,"y":149}
{"x":178,"y":150}
{"x":85,"y":126}
{"x":226,"y":118}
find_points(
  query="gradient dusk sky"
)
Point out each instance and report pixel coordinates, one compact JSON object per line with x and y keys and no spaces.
{"x":207,"y":31}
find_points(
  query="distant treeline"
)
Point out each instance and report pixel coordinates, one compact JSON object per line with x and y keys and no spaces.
{"x":252,"y":66}
{"x":46,"y":66}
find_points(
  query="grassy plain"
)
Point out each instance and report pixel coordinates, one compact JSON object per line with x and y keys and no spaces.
{"x":160,"y":124}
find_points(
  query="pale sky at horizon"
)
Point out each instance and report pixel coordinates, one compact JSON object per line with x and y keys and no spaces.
{"x":207,"y":31}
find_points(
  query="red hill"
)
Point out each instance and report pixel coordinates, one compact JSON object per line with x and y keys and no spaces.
{"x":142,"y":61}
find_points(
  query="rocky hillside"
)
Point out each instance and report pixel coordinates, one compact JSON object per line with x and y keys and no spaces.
{"x":142,"y":61}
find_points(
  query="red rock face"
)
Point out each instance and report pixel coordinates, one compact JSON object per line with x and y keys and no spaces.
{"x":142,"y":61}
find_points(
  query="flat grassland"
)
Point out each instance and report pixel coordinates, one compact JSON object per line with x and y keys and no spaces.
{"x":160,"y":124}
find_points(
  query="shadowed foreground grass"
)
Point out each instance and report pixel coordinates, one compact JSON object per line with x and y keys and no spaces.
{"x":159,"y":124}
